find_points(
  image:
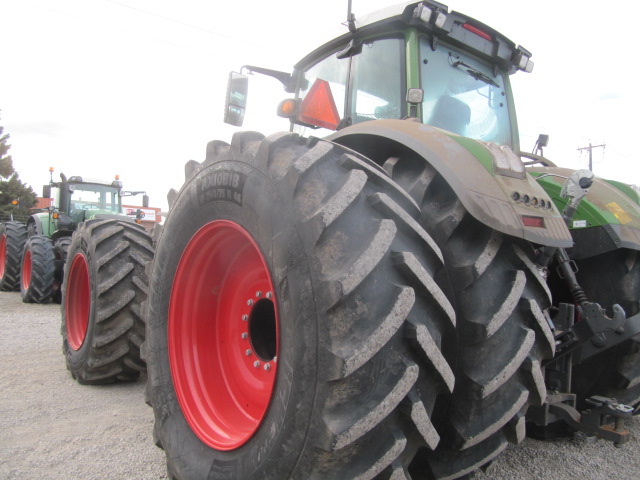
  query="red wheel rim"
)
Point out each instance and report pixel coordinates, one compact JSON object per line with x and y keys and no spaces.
{"x":78,"y":301}
{"x":3,"y":254}
{"x":26,"y":270}
{"x":223,"y":335}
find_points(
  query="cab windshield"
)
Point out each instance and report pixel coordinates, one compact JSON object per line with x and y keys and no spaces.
{"x":94,"y":197}
{"x":462,"y":95}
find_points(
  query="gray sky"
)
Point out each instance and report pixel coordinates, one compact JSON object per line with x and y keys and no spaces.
{"x":136,"y":87}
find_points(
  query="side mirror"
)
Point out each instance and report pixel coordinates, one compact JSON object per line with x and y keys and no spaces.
{"x":236,"y":101}
{"x":145,"y":201}
{"x":46,"y":191}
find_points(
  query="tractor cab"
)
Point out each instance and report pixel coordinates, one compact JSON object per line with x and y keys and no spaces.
{"x":75,"y":200}
{"x":416,"y":61}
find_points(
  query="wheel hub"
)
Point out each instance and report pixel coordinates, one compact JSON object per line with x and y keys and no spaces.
{"x":77,"y":302}
{"x":223,"y":335}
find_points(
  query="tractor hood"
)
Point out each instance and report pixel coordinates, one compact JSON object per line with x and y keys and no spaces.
{"x":606,"y":219}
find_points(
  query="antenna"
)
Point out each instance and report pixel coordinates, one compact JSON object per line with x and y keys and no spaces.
{"x":351,"y":18}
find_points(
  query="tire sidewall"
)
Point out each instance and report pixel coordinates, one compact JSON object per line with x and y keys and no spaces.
{"x":253,"y":202}
{"x":81,"y":244}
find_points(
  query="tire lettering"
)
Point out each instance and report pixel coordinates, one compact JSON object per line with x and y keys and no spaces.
{"x":224,"y":185}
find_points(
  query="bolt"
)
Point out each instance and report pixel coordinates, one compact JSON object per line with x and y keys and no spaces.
{"x":269,"y":294}
{"x":258,"y":294}
{"x":275,"y":359}
{"x":250,"y":302}
{"x":248,"y":352}
{"x":244,"y":335}
{"x":267,"y":367}
{"x":599,"y":340}
{"x":245,"y":318}
{"x":256,"y":364}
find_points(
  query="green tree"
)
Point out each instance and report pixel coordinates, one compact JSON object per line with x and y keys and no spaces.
{"x":16,"y":197}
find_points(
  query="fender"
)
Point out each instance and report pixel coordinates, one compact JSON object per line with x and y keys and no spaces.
{"x":607,"y":218}
{"x":467,"y":166}
{"x":41,"y":224}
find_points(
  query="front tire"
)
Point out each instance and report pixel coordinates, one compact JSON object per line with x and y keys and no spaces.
{"x":306,"y":258}
{"x":104,"y":286}
{"x":38,"y":265}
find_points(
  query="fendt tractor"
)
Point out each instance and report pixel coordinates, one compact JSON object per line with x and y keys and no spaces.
{"x":35,"y":252}
{"x":393,"y":289}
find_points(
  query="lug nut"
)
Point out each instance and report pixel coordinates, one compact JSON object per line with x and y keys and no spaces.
{"x":245,"y":318}
{"x":258,"y":294}
{"x":248,"y":352}
{"x":267,"y":367}
{"x":269,"y":294}
{"x":256,"y":364}
{"x":250,"y":302}
{"x":244,"y":335}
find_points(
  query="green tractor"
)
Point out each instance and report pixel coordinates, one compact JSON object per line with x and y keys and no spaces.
{"x":393,"y":289}
{"x":84,"y":253}
{"x":49,"y":233}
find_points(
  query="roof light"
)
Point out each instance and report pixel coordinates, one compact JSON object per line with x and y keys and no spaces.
{"x":477,"y":31}
{"x":522,"y":59}
{"x":318,"y":107}
{"x":440,"y":20}
{"x":51,"y":169}
{"x":427,"y":14}
{"x":423,"y":13}
{"x":505,"y":161}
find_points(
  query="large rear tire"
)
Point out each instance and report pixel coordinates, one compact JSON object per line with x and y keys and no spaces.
{"x":295,"y":327}
{"x":607,"y":279}
{"x":38,"y":265}
{"x":104,"y":286}
{"x":501,"y":302}
{"x":13,"y":235}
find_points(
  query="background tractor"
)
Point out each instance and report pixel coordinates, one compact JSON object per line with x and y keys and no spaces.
{"x":397,"y":299}
{"x":74,"y":200}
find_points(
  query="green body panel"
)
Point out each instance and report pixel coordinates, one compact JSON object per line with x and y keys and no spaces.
{"x":606,"y":219}
{"x":628,"y":190}
{"x":606,"y":202}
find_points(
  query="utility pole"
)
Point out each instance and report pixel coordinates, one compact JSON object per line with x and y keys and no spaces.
{"x":590,"y":148}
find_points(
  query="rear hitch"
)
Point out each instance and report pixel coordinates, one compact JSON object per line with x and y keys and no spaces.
{"x":603,"y":418}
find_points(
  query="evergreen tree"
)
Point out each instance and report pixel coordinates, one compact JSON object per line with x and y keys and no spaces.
{"x":16,"y":197}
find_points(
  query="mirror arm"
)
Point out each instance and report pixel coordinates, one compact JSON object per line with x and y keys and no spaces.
{"x":283,"y":77}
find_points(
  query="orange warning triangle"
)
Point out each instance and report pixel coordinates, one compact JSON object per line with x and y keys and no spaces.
{"x":318,"y":107}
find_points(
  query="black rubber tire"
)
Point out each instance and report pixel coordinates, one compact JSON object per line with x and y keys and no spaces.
{"x":361,"y":318}
{"x":13,"y":235}
{"x":501,"y":302}
{"x":607,"y":279}
{"x":60,"y":251}
{"x":36,"y":283}
{"x":115,"y":253}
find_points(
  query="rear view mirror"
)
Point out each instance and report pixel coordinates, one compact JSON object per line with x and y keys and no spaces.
{"x":46,"y":191}
{"x":145,"y":201}
{"x":236,"y":101}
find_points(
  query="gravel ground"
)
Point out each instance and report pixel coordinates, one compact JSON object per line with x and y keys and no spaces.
{"x":53,"y":428}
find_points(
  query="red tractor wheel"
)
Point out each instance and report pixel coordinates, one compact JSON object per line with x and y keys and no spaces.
{"x":245,"y":370}
{"x":295,"y":324}
{"x":104,"y":286}
{"x":38,"y":265}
